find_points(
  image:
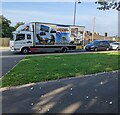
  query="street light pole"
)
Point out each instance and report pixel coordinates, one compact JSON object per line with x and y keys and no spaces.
{"x":75,"y":11}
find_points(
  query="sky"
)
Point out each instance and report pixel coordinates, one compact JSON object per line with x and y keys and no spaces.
{"x":62,"y":13}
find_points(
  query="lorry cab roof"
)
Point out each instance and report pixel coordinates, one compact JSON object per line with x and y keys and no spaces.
{"x":22,"y":27}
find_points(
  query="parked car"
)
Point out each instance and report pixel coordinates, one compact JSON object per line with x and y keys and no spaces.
{"x":115,"y":45}
{"x":98,"y":45}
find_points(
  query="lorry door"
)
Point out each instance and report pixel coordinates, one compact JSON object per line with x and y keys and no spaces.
{"x":101,"y":46}
{"x":19,"y":41}
{"x":23,"y":39}
{"x":29,"y":39}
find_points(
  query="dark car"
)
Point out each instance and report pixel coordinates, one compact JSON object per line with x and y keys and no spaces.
{"x":98,"y":45}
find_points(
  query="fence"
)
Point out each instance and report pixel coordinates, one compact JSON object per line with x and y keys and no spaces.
{"x":4,"y":42}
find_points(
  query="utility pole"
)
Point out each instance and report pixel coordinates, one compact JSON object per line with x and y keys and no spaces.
{"x":93,"y":29}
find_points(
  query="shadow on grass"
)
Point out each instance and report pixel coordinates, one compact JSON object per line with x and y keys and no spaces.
{"x":94,"y":94}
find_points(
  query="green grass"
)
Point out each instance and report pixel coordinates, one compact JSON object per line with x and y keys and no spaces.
{"x":43,"y":68}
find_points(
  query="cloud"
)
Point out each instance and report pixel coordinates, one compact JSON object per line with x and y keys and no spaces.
{"x":28,"y":16}
{"x":47,"y":0}
{"x":102,"y":24}
{"x":108,"y":24}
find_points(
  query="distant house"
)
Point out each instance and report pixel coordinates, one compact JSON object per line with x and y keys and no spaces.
{"x":101,"y":37}
{"x":118,"y":39}
{"x":88,"y":37}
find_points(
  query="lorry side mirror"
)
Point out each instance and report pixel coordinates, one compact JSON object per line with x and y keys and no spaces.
{"x":11,"y":37}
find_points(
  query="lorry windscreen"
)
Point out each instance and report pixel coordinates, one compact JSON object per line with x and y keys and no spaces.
{"x":20,"y":37}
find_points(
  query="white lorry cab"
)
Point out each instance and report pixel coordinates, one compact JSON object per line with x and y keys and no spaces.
{"x":45,"y":37}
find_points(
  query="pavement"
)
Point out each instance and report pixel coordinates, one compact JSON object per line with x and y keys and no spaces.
{"x":97,"y":93}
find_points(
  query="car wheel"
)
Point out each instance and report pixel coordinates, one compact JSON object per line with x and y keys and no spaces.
{"x":107,"y":49}
{"x":117,"y":48}
{"x":95,"y":49}
{"x":25,"y":50}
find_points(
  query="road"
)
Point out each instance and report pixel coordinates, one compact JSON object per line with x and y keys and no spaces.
{"x":9,"y":59}
{"x":89,"y":94}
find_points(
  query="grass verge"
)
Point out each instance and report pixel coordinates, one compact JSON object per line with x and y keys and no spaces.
{"x":43,"y":68}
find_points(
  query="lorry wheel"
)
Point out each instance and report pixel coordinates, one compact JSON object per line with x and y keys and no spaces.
{"x":25,"y":50}
{"x":64,"y":50}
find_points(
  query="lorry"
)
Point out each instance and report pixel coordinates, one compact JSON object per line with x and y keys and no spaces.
{"x":45,"y":37}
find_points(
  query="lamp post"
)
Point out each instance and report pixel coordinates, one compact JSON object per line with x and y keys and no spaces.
{"x":75,"y":11}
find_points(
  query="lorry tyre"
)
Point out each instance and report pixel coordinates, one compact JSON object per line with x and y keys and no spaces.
{"x":25,"y":50}
{"x":64,"y":50}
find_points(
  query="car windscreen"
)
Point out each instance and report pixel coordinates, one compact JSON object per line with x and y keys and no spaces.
{"x":95,"y":42}
{"x":116,"y":43}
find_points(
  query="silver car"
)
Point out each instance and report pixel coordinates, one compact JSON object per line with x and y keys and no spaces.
{"x":115,"y":45}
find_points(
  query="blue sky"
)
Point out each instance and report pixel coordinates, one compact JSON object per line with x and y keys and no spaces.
{"x":62,"y":13}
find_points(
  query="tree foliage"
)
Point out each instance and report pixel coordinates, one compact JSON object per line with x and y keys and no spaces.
{"x":19,"y":24}
{"x":108,"y":4}
{"x":6,"y":29}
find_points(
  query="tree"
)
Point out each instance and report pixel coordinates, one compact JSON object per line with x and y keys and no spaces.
{"x":19,"y":24}
{"x":6,"y":29}
{"x":108,"y":4}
